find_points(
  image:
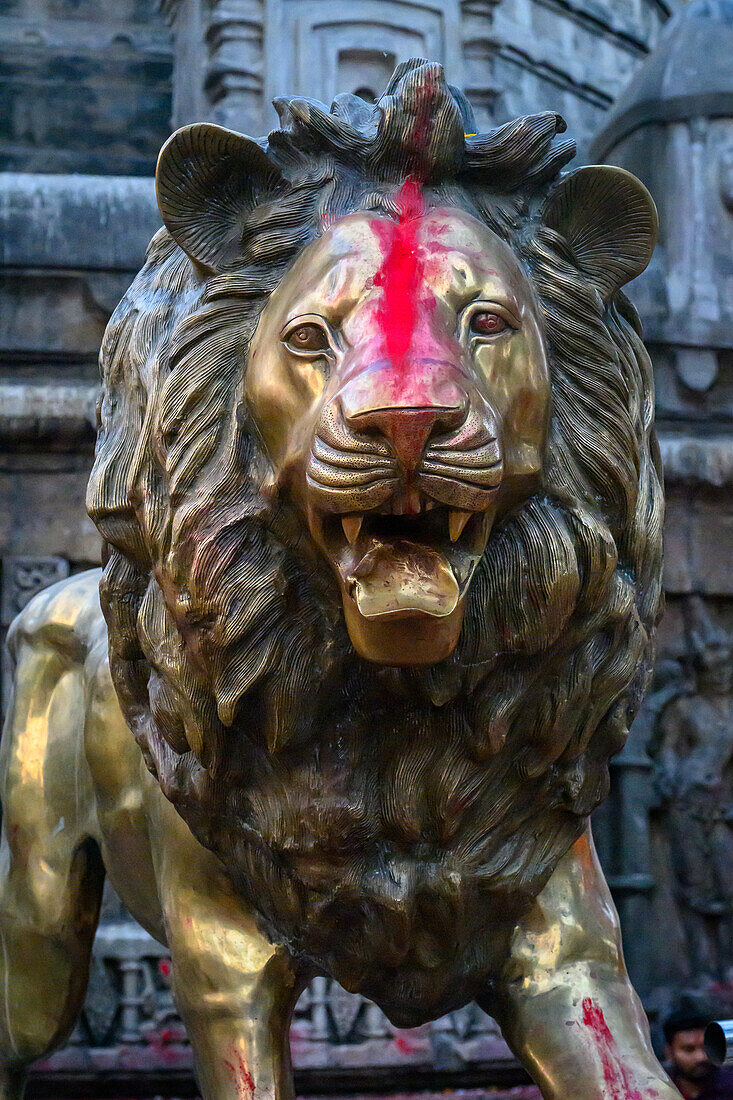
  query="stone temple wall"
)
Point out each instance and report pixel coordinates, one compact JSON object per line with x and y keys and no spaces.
{"x":92,"y":85}
{"x":510,"y":56}
{"x":85,"y":85}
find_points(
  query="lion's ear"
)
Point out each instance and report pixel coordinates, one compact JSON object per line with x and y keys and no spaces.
{"x":208,"y":181}
{"x":609,"y":220}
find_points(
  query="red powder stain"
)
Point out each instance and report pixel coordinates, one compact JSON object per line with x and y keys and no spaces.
{"x":401,"y":273}
{"x":241,"y":1076}
{"x":404,"y":337}
{"x":403,"y":1045}
{"x":403,"y":264}
{"x":615,"y":1074}
{"x":164,"y":967}
{"x":584,"y":856}
{"x":429,"y":92}
{"x":160,"y":1043}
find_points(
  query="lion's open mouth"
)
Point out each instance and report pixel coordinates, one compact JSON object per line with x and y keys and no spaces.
{"x":396,"y":564}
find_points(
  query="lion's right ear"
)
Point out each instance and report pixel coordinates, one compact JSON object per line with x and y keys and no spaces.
{"x":208,"y":181}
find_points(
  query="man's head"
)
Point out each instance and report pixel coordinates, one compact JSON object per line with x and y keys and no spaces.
{"x":684,"y":1034}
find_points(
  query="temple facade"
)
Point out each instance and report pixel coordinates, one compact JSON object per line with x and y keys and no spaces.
{"x":94,"y":87}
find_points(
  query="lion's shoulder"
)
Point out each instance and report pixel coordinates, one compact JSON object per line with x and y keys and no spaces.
{"x":67,"y":617}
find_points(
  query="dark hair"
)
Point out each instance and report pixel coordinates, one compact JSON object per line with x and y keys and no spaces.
{"x":687,"y":1014}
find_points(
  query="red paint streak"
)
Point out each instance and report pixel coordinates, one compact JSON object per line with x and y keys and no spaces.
{"x":401,"y":273}
{"x":615,"y":1074}
{"x":241,"y":1076}
{"x":428,"y":93}
{"x":409,"y":360}
{"x":403,"y":264}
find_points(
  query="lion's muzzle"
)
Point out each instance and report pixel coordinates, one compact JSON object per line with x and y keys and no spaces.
{"x":403,"y":473}
{"x":405,"y":408}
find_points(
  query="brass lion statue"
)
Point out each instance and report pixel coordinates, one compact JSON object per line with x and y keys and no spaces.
{"x":381,"y":507}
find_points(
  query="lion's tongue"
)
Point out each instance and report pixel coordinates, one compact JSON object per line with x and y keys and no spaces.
{"x":401,"y":577}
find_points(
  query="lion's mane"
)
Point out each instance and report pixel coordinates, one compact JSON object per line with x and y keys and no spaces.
{"x":347,"y":801}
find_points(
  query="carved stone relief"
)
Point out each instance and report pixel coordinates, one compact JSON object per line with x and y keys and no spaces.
{"x":22,"y":577}
{"x":692,"y":752}
{"x":233,"y":56}
{"x":320,"y":50}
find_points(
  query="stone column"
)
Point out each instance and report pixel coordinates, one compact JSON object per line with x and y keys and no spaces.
{"x":219,"y":59}
{"x":479,"y":47}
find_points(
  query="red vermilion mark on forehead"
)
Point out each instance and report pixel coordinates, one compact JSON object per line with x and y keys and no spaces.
{"x":401,"y":273}
{"x":402,"y":270}
{"x":615,"y":1074}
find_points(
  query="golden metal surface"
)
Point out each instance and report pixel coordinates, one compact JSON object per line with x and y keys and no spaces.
{"x":73,"y":775}
{"x":75,"y":786}
{"x":376,"y":478}
{"x":564,"y":1000}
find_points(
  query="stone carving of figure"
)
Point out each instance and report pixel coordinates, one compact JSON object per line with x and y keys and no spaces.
{"x":693,"y":753}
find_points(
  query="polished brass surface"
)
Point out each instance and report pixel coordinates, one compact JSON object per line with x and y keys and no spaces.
{"x":75,"y":788}
{"x":378,"y":485}
{"x":564,"y":1000}
{"x":72,"y":775}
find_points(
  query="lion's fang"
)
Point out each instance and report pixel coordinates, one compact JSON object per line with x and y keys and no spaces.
{"x":352,"y":527}
{"x":457,"y":520}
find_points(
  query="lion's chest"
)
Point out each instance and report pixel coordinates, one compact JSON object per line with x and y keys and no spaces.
{"x":398,"y":864}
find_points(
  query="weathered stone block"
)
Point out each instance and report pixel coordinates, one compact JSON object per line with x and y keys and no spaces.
{"x":84,"y":87}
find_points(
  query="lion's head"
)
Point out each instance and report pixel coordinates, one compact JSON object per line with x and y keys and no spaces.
{"x":379,"y":491}
{"x":399,"y":382}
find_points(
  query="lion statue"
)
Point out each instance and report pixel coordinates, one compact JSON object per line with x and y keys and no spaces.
{"x":381,"y":507}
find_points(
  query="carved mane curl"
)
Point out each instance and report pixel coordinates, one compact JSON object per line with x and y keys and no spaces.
{"x":227,"y":644}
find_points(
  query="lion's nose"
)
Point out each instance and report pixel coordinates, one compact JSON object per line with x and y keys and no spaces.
{"x":403,"y":420}
{"x":408,"y":429}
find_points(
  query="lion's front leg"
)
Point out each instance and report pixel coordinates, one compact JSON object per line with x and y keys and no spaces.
{"x":565,"y":1003}
{"x":235,"y":991}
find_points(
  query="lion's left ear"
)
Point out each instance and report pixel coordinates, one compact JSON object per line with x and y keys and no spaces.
{"x":609,"y":220}
{"x":208,"y":181}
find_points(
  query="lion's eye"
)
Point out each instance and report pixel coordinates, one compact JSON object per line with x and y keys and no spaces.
{"x":488,"y":324}
{"x":307,"y":337}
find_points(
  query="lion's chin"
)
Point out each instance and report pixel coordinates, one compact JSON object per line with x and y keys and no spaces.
{"x":402,"y":603}
{"x":403,"y":637}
